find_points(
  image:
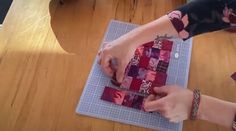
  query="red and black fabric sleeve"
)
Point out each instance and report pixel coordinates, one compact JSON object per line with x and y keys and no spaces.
{"x":201,"y":16}
{"x":234,"y":123}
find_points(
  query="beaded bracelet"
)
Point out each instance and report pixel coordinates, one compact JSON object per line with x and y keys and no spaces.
{"x":195,"y":104}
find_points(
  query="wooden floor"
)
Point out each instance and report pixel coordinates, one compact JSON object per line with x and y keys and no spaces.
{"x":47,"y":50}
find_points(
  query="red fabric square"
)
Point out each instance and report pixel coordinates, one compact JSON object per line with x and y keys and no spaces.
{"x":133,"y":71}
{"x":164,"y":55}
{"x":128,"y":100}
{"x":160,"y":79}
{"x":150,"y":76}
{"x":133,"y":101}
{"x":149,"y":44}
{"x":155,"y":53}
{"x":135,"y":84}
{"x":162,"y":66}
{"x":138,"y":102}
{"x":113,"y":95}
{"x":167,"y":45}
{"x":144,"y":61}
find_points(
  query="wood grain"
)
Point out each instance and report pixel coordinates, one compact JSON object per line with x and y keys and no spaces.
{"x":47,"y":50}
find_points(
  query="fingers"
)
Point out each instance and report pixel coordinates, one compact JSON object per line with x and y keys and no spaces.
{"x":162,"y":90}
{"x":166,"y":105}
{"x":120,"y":72}
{"x":105,"y":59}
{"x":150,"y":98}
{"x":107,"y":55}
{"x":158,"y":102}
{"x":153,"y":104}
{"x":105,"y":64}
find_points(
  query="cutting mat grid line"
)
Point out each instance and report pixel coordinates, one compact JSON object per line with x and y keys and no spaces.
{"x":90,"y":103}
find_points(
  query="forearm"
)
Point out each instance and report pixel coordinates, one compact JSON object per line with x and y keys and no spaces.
{"x":149,"y":32}
{"x":216,"y":111}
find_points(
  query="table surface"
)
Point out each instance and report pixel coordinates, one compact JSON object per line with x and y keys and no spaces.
{"x":47,"y":51}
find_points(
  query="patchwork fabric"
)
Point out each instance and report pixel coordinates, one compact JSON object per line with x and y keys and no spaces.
{"x":146,"y":70}
{"x":149,"y":64}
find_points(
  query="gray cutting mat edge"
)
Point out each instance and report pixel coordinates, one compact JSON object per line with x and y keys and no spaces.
{"x":90,"y":103}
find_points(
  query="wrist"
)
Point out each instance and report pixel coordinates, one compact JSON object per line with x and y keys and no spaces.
{"x":216,"y":111}
{"x":200,"y":114}
{"x":195,"y":104}
{"x":135,"y":38}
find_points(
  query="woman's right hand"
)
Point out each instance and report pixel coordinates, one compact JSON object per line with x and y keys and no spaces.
{"x":120,"y":50}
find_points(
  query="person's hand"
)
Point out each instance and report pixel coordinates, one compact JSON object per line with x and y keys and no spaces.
{"x":119,"y":50}
{"x":175,"y":105}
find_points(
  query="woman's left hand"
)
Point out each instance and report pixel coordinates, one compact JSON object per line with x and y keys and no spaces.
{"x":175,"y":105}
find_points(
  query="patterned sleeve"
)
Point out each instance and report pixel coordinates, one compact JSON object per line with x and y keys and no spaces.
{"x":201,"y":16}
